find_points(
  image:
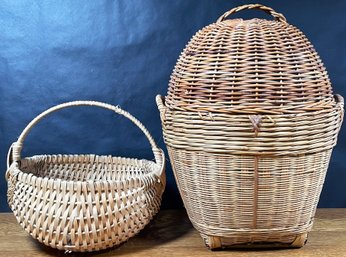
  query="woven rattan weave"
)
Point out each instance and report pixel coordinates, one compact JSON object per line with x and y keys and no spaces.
{"x":250,"y":122}
{"x":250,"y":66}
{"x":84,"y":202}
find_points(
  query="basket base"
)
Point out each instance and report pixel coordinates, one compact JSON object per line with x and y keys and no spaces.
{"x":216,"y":243}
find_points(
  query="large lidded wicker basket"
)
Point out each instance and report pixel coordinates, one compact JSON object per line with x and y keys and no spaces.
{"x":84,"y":202}
{"x":250,"y":122}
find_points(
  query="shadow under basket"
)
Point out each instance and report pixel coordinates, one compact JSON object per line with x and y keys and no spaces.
{"x":84,"y":202}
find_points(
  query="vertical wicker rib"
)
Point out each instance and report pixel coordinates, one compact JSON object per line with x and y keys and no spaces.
{"x":84,"y":202}
{"x":250,"y":122}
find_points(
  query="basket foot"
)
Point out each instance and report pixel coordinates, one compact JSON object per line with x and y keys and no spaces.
{"x":215,"y":243}
{"x":212,"y":242}
{"x":300,"y":241}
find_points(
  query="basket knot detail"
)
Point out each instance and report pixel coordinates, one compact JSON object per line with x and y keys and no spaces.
{"x":256,"y":123}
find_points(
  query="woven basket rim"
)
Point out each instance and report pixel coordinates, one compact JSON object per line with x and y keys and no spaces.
{"x":163,"y":107}
{"x":34,"y":178}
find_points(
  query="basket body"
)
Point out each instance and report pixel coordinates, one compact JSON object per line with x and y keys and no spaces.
{"x":219,"y":198}
{"x":84,"y":203}
{"x":237,"y":198}
{"x":250,"y":122}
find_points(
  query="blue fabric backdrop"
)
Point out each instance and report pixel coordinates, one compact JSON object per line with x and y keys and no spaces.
{"x":122,"y":52}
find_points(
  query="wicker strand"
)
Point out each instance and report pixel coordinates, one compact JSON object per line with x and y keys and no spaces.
{"x":255,"y":193}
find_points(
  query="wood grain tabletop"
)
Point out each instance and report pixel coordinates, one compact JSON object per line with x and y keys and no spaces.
{"x":171,"y":234}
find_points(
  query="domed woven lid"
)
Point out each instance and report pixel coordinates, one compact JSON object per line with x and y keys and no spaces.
{"x":250,"y":66}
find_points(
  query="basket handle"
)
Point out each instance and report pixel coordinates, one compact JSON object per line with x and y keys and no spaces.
{"x":340,"y":103}
{"x":339,"y":100}
{"x":278,"y":16}
{"x":161,"y":106}
{"x":14,"y":153}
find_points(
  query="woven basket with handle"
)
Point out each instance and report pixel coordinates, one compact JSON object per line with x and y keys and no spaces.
{"x":250,"y":122}
{"x":84,"y":202}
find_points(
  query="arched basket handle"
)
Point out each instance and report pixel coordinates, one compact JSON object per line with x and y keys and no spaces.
{"x":278,"y":16}
{"x":14,"y":153}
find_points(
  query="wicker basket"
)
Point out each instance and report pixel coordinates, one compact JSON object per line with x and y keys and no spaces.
{"x":250,"y":122}
{"x":84,"y":202}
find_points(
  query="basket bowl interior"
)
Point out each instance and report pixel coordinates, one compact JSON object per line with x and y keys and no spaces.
{"x":86,"y":167}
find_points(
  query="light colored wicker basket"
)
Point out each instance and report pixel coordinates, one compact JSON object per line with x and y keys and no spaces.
{"x":250,"y":122}
{"x":84,"y":202}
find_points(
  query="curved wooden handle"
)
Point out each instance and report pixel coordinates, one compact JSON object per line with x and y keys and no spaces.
{"x":278,"y":16}
{"x":16,"y":148}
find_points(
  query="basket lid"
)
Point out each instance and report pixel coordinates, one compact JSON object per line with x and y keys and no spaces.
{"x":250,"y":66}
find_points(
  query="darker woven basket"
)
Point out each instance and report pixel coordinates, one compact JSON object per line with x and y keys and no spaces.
{"x":250,"y":122}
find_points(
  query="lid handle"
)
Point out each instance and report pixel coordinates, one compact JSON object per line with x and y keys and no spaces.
{"x":276,"y":15}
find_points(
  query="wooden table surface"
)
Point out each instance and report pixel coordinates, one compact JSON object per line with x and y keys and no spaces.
{"x":171,"y":234}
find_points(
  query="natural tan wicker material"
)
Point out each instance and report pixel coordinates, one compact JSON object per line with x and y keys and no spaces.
{"x":84,"y":202}
{"x":250,"y":66}
{"x":250,"y":122}
{"x":235,"y":134}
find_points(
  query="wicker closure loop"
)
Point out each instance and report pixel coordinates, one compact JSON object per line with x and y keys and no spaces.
{"x":17,"y":146}
{"x":278,"y":16}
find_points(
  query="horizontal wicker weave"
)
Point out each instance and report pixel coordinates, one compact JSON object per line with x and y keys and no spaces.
{"x":250,"y":122}
{"x":222,"y":133}
{"x":250,"y":66}
{"x":84,"y":202}
{"x":220,"y":197}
